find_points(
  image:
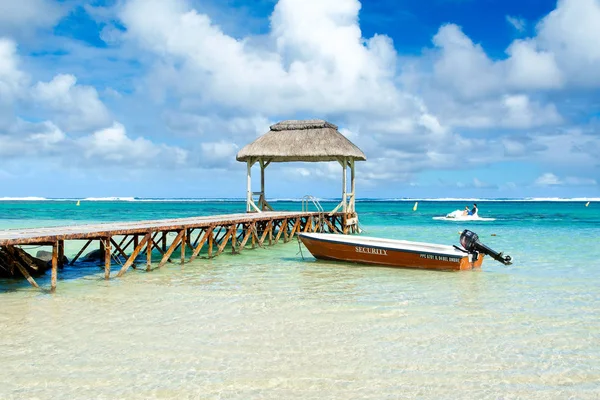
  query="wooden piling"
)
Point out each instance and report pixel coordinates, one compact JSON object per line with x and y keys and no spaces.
{"x":54,"y":275}
{"x":107,"y":258}
{"x":13,"y":260}
{"x":133,"y":255}
{"x":81,"y":251}
{"x":171,"y":249}
{"x":184,"y":240}
{"x":149,"y":243}
{"x":201,"y":244}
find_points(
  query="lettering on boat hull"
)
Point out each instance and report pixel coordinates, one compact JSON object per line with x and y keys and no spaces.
{"x":370,"y":250}
{"x":440,"y":258}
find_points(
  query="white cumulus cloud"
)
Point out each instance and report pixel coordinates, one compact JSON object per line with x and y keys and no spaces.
{"x":112,"y":145}
{"x":77,"y":107}
{"x":24,"y":16}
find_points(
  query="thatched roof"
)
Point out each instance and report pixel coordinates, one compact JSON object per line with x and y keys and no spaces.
{"x":308,"y":140}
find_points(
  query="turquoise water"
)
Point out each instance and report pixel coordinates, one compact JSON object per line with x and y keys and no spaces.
{"x":268,"y":324}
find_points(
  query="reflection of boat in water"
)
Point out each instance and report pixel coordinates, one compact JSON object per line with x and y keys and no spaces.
{"x":401,"y":253}
{"x":459,"y":215}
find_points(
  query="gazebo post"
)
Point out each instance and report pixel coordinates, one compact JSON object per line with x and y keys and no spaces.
{"x":352,"y":186}
{"x":250,"y":205}
{"x":344,"y":185}
{"x":249,"y":192}
{"x":261,"y":203}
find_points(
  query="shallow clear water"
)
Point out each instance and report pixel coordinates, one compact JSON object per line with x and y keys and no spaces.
{"x":268,"y":324}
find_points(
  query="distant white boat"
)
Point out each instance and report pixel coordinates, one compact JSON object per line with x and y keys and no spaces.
{"x":458,"y":215}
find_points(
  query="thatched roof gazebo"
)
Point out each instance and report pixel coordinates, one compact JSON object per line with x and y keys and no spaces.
{"x":305,"y":141}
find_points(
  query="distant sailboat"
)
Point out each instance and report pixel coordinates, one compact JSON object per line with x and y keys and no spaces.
{"x":415,"y":206}
{"x":587,"y":204}
{"x":78,"y":202}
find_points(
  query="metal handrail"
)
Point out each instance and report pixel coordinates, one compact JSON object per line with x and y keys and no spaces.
{"x":314,"y":200}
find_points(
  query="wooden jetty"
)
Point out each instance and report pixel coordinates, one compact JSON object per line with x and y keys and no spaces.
{"x":287,"y":141}
{"x":127,"y":241}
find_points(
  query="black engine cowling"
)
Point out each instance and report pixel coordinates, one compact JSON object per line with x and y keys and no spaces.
{"x":470,"y":241}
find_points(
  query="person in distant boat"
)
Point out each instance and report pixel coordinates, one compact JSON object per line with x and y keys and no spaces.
{"x":474,"y":210}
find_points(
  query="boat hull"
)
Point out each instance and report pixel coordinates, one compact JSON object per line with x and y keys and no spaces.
{"x":334,"y":250}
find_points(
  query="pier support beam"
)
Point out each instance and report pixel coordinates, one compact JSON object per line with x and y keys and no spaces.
{"x":54,"y":267}
{"x":184,"y":239}
{"x":133,"y":256}
{"x":149,"y":243}
{"x":107,"y":260}
{"x":171,"y":249}
{"x":16,"y":261}
{"x":81,"y":251}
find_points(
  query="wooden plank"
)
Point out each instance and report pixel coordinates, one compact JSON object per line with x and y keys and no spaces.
{"x":54,"y":267}
{"x":271,"y":227}
{"x":157,"y":247}
{"x":308,"y":224}
{"x":61,"y":253}
{"x":241,"y":228}
{"x":330,"y":225}
{"x":351,"y":221}
{"x":317,"y":224}
{"x":107,"y":258}
{"x":26,"y":274}
{"x":265,"y":232}
{"x":123,"y":240}
{"x":134,"y":237}
{"x":282,"y":229}
{"x":255,"y":238}
{"x":294,"y":229}
{"x":184,"y":240}
{"x":199,"y":246}
{"x":233,"y":238}
{"x":211,"y":239}
{"x":243,"y":244}
{"x":253,"y":205}
{"x":11,"y":251}
{"x":188,"y":238}
{"x":133,"y":256}
{"x":171,"y":249}
{"x":118,"y":248}
{"x":201,"y":231}
{"x":285,"y":231}
{"x":224,"y":241}
{"x":81,"y":251}
{"x":22,"y":257}
{"x":149,"y":245}
{"x":217,"y":236}
{"x":337,"y":221}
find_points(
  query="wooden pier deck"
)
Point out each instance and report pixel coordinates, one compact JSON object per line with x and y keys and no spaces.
{"x":124,"y":242}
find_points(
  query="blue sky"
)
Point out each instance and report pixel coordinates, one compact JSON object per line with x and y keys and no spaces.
{"x":447,"y":98}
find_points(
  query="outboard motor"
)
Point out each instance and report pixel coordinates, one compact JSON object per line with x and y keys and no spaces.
{"x":470,"y":241}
